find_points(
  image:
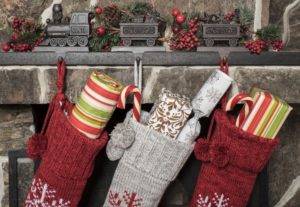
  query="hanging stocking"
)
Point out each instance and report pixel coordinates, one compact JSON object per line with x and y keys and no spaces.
{"x":231,"y":160}
{"x":150,"y":161}
{"x":67,"y":155}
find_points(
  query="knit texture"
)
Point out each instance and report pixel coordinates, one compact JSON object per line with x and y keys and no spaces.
{"x":231,"y":160}
{"x":146,"y":167}
{"x":67,"y":155}
{"x":66,"y":164}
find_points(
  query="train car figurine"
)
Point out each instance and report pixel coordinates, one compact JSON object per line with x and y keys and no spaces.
{"x":143,"y":28}
{"x":74,"y":31}
{"x":221,"y":32}
{"x":217,"y":28}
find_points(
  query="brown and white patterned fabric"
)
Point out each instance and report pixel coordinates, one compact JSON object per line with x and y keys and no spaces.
{"x":170,"y":114}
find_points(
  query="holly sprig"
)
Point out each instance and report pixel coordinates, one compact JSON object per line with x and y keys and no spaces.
{"x":186,"y":29}
{"x":269,"y":33}
{"x":140,"y":8}
{"x":266,"y":37}
{"x":25,"y":34}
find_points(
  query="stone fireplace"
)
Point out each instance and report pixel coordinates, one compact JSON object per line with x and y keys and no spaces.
{"x":28,"y":84}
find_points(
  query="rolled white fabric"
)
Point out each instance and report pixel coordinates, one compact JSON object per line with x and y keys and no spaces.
{"x":203,"y":104}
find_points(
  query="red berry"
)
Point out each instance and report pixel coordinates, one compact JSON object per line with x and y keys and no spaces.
{"x":6,"y":47}
{"x":277,"y":45}
{"x":175,"y":29}
{"x":180,"y":19}
{"x":101,"y":30}
{"x":15,"y":37}
{"x":175,"y":12}
{"x":98,"y":10}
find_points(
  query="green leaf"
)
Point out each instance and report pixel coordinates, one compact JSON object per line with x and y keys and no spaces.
{"x":246,"y":16}
{"x":269,"y":33}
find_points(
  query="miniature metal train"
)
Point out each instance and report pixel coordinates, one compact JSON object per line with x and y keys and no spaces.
{"x":221,"y":32}
{"x":140,"y":28}
{"x":74,"y":31}
{"x":217,"y":28}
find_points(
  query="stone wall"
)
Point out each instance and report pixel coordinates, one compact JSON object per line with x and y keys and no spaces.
{"x":16,"y":125}
{"x":276,"y":12}
{"x":39,"y":82}
{"x":284,"y":165}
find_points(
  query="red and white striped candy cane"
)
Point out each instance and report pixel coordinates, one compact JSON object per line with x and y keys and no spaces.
{"x":240,"y":98}
{"x":137,"y":99}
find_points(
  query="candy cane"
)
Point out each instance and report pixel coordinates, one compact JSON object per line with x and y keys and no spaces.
{"x":240,"y":98}
{"x":137,"y":99}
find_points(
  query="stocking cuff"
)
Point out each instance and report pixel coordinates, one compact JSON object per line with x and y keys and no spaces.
{"x":70,"y":154}
{"x":232,"y":145}
{"x":154,"y":153}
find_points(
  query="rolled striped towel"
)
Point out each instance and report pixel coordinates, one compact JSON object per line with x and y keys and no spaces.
{"x":96,"y":104}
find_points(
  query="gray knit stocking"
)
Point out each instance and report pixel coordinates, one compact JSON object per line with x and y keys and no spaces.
{"x":149,"y":162}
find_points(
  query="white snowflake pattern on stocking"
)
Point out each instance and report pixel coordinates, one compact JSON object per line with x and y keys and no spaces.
{"x":215,"y":201}
{"x":220,"y":200}
{"x":41,"y":195}
{"x":203,"y":202}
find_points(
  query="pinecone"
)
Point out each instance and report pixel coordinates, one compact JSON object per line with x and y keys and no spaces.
{"x":112,"y":14}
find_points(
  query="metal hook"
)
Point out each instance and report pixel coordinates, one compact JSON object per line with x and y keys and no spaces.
{"x":225,"y":59}
{"x":60,"y":59}
{"x":138,"y":59}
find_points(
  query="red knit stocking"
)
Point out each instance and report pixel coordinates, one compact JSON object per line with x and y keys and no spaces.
{"x":67,"y":156}
{"x":231,"y":160}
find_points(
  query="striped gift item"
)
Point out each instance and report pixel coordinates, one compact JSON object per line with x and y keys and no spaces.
{"x":96,"y":104}
{"x":267,"y":114}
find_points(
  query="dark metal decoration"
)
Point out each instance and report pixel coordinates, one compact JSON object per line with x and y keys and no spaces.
{"x":13,"y":157}
{"x":74,"y":31}
{"x":13,"y":175}
{"x":223,"y":32}
{"x":217,"y":28}
{"x":140,"y":27}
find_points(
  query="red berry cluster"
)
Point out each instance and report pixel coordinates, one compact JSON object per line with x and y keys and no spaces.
{"x":14,"y":37}
{"x":21,"y":47}
{"x":17,"y":23}
{"x":16,"y":43}
{"x":257,"y":46}
{"x":186,"y":39}
{"x":277,"y":45}
{"x":230,"y":16}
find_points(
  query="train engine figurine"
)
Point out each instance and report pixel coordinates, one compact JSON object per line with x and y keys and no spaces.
{"x":74,"y":31}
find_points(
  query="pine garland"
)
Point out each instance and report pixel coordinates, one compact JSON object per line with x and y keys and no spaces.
{"x":269,"y":33}
{"x":246,"y":16}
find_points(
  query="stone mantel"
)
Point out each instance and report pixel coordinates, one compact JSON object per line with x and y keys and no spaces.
{"x":29,"y":78}
{"x":288,"y":58}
